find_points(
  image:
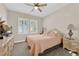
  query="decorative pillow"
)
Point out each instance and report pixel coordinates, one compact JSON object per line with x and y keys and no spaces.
{"x":55,"y":32}
{"x":52,"y":34}
{"x":58,"y":32}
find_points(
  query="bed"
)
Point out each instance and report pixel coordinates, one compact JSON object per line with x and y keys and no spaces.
{"x":39,"y":43}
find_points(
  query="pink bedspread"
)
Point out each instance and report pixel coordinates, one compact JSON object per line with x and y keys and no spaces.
{"x":39,"y":43}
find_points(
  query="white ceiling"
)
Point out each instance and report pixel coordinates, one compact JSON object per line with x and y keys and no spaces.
{"x":21,"y":7}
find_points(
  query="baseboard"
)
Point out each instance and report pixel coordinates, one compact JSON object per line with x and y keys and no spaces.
{"x":19,"y":41}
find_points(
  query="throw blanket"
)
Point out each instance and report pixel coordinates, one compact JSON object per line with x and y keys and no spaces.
{"x":39,"y":43}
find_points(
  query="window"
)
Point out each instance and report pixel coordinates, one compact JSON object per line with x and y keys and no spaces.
{"x":33,"y":26}
{"x":27,"y":26}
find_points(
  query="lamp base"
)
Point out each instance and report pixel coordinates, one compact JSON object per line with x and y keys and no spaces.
{"x":70,"y":34}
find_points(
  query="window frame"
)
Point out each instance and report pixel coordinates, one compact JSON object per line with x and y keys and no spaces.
{"x":29,"y":20}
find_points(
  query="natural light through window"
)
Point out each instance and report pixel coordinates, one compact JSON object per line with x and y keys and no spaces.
{"x":27,"y":26}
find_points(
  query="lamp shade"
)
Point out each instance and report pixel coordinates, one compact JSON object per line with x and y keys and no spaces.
{"x":71,"y":27}
{"x":1,"y":21}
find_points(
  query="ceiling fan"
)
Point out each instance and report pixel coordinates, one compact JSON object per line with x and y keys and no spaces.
{"x":36,"y":6}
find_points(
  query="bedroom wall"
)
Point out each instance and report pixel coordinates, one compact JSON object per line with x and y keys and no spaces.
{"x":3,"y":12}
{"x":62,"y":17}
{"x":13,"y":20}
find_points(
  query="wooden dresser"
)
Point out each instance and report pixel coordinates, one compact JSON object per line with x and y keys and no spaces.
{"x":6,"y":46}
{"x":72,"y":45}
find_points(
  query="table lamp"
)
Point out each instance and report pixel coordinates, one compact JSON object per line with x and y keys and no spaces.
{"x":70,"y":28}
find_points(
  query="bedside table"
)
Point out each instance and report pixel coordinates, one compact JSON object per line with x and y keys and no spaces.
{"x":72,"y":45}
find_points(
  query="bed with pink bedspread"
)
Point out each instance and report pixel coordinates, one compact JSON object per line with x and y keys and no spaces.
{"x":39,"y":43}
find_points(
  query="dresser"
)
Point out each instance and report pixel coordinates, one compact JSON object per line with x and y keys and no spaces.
{"x":6,"y":46}
{"x":72,"y":44}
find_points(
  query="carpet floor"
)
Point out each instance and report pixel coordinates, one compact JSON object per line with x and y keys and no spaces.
{"x":21,"y":49}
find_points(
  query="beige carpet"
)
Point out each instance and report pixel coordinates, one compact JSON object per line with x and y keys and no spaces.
{"x":21,"y":49}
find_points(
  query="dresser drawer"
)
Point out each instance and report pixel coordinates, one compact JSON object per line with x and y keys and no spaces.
{"x":72,"y":45}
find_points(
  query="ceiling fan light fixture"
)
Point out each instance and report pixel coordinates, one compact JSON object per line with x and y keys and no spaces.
{"x":35,"y":7}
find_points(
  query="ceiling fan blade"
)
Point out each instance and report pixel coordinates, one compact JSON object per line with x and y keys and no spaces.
{"x":36,"y":4}
{"x":32,"y":9}
{"x":28,"y":4}
{"x":42,"y":5}
{"x":39,"y":9}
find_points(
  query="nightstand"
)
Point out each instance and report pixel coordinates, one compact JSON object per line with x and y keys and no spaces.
{"x":72,"y":45}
